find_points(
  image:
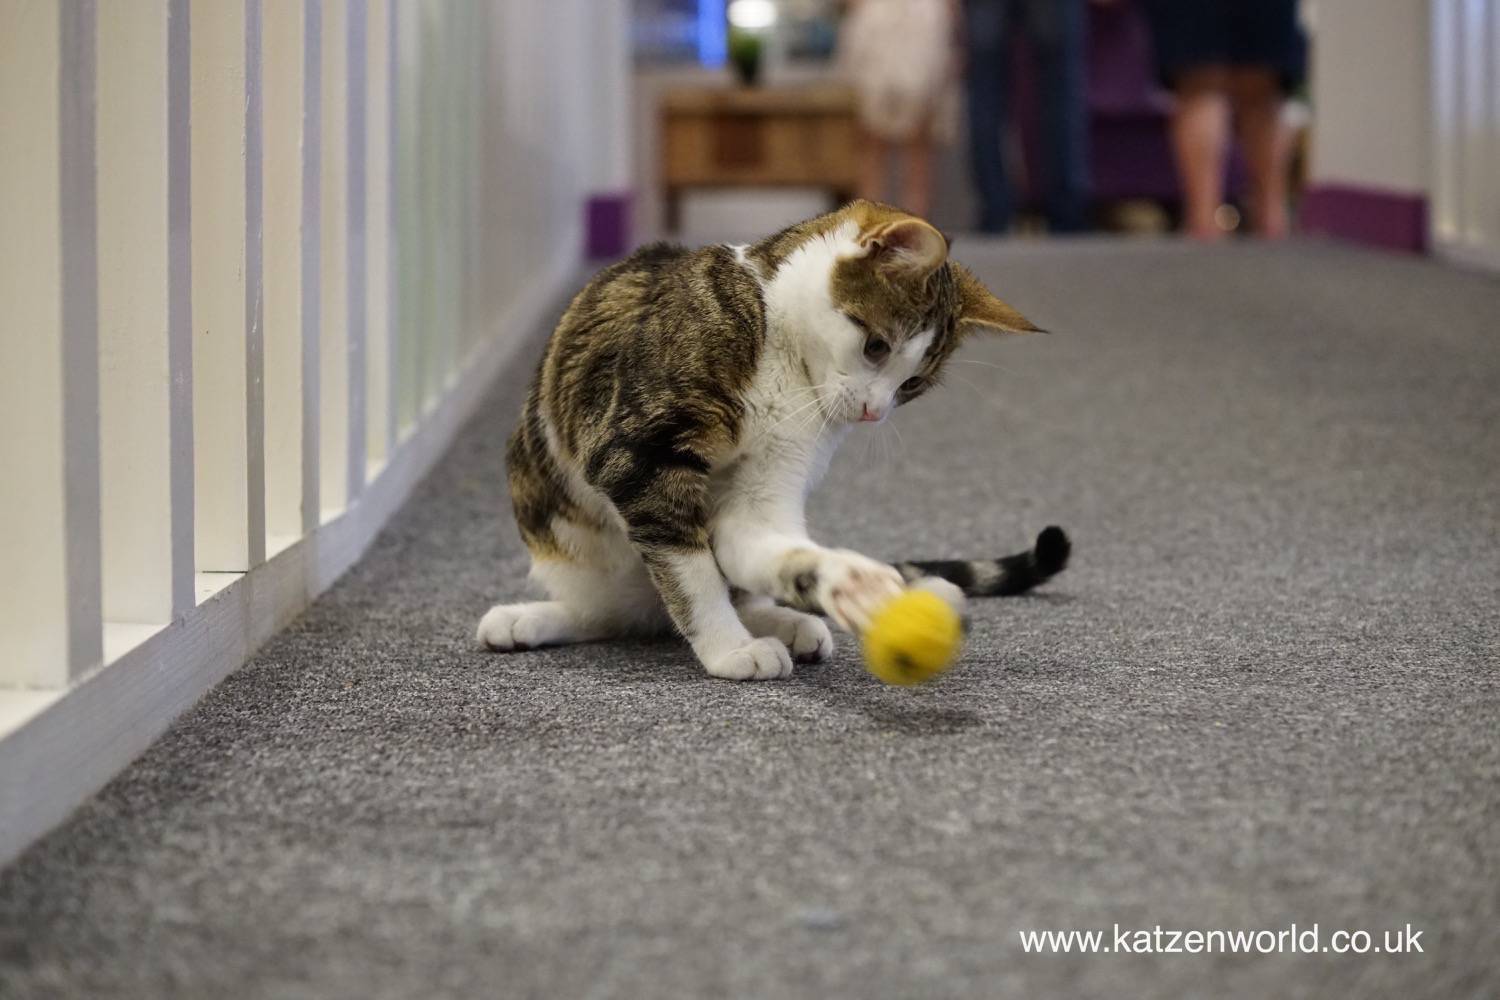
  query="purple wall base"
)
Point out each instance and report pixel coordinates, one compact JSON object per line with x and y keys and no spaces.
{"x":1366,"y":215}
{"x":607,"y":225}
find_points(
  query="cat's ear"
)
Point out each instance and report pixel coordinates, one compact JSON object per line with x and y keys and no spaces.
{"x":905,"y":248}
{"x":979,"y":311}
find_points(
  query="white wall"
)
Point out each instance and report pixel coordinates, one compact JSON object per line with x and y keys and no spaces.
{"x":1371,"y":95}
{"x":1465,"y":212}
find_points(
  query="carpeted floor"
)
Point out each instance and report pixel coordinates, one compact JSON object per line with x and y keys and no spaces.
{"x":1265,"y":693}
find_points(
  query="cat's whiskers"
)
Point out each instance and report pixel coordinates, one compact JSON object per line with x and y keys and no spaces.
{"x":972,"y":387}
{"x":800,"y":411}
{"x":987,"y":364}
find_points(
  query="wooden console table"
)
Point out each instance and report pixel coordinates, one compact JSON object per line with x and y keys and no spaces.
{"x":722,"y":136}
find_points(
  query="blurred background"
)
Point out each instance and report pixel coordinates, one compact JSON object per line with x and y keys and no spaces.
{"x":1357,"y":118}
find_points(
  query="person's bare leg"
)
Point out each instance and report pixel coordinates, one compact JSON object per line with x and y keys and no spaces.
{"x":1257,"y":108}
{"x":874,"y":156}
{"x":916,"y":175}
{"x":1200,"y":140}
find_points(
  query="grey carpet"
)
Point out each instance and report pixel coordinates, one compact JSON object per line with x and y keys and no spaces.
{"x":1265,"y":693}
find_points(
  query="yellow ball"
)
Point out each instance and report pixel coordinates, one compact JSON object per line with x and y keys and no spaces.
{"x":912,"y":638}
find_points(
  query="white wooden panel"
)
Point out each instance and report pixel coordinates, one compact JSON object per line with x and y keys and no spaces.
{"x":410,"y":249}
{"x":221,"y":335}
{"x":147,"y":577}
{"x":379,"y":223}
{"x":334,"y":294}
{"x":312,"y":262}
{"x":355,"y":117}
{"x":282,"y":106}
{"x":49,"y":623}
{"x":1446,"y":99}
{"x":255,"y":421}
{"x":432,"y":137}
{"x":180,"y":301}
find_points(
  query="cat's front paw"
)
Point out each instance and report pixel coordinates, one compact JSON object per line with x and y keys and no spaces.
{"x":513,"y":627}
{"x":758,"y":660}
{"x":852,"y":586}
{"x":805,"y":635}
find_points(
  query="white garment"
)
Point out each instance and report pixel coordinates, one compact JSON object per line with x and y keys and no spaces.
{"x":899,"y":57}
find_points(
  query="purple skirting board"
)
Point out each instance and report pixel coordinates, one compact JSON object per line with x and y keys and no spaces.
{"x":1371,"y":216}
{"x":607,"y":225}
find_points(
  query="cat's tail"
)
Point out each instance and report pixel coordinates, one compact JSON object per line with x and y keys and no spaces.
{"x":1001,"y":577}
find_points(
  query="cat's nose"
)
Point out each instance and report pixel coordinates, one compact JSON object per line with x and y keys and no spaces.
{"x":870,"y":415}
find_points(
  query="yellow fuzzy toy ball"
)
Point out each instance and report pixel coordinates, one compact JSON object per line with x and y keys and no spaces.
{"x":912,"y":638}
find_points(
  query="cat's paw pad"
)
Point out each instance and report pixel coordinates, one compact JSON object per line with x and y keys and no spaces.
{"x":851,"y":587}
{"x":509,"y":628}
{"x":757,"y":660}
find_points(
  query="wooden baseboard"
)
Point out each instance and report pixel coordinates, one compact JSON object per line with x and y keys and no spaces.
{"x":61,"y":747}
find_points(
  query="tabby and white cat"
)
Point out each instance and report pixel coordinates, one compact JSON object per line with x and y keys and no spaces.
{"x":689,"y":400}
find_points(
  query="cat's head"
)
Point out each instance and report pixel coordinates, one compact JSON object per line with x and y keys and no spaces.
{"x":879,"y":307}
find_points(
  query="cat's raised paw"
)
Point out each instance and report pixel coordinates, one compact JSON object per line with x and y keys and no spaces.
{"x":758,"y":660}
{"x":852,"y":586}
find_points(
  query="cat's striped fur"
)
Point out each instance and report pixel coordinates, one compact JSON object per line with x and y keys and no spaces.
{"x":687,"y":402}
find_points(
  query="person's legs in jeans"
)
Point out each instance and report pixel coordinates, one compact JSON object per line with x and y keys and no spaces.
{"x":1056,"y":30}
{"x":987,"y":75}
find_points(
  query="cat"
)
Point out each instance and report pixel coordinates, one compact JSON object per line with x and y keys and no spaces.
{"x":686,"y":404}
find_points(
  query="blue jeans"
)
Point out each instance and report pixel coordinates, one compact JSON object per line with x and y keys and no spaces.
{"x":1055,"y":34}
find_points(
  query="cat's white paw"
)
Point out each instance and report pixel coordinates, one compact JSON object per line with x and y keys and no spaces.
{"x":807,"y":636}
{"x":758,"y":660}
{"x":508,"y":627}
{"x":852,"y":586}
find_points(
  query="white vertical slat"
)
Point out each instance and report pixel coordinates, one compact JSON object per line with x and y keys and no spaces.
{"x":1444,"y":220}
{"x":355,"y":98}
{"x":180,"y":302}
{"x":475,"y":329}
{"x":378,"y":233}
{"x":255,"y":420}
{"x":220,"y":290}
{"x":312,"y":264}
{"x":1471,"y":128}
{"x":80,"y":329}
{"x":143,"y":581}
{"x":285,"y":298}
{"x":1491,"y":132}
{"x":410,"y":298}
{"x":432,"y":156}
{"x":334,"y":295}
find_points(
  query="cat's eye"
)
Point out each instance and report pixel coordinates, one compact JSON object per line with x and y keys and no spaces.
{"x":912,"y":384}
{"x":876,"y":350}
